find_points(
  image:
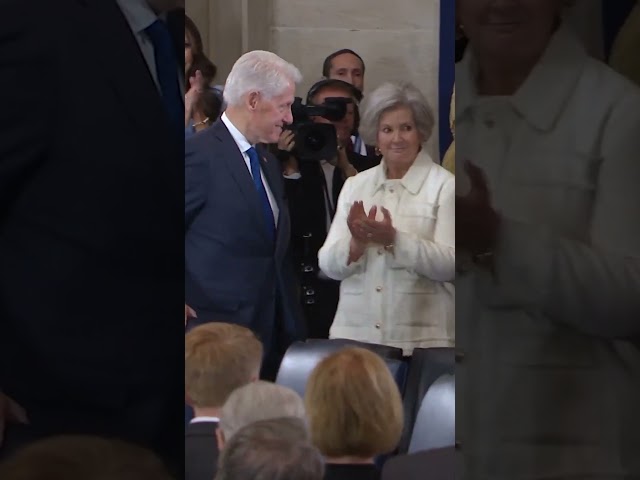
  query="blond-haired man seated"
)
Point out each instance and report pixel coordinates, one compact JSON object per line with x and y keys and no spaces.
{"x":218,"y":359}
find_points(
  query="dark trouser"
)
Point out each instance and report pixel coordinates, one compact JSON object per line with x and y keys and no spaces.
{"x":320,"y":315}
{"x":151,"y":418}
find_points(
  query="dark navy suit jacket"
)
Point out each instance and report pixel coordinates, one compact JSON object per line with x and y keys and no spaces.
{"x":233,"y":271}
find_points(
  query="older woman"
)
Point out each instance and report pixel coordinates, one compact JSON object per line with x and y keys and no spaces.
{"x":548,"y":309}
{"x":392,"y":240}
{"x":355,"y":412}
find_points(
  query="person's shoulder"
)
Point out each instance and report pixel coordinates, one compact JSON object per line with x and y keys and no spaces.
{"x":204,"y":140}
{"x":605,"y":83}
{"x":441,"y":173}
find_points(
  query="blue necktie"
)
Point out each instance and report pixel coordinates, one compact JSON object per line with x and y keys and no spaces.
{"x":262,"y":192}
{"x":167,"y":70}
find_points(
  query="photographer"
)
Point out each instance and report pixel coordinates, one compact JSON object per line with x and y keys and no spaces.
{"x":312,"y":187}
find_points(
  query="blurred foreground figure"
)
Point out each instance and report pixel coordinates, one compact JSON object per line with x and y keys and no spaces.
{"x":91,"y":265}
{"x":548,"y":240}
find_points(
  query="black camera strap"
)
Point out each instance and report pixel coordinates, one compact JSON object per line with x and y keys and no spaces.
{"x":328,"y":197}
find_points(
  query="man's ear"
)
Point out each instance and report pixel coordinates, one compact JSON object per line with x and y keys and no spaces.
{"x":252,"y":100}
{"x":220,"y":438}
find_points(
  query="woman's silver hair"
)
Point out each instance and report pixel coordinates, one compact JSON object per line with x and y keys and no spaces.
{"x":390,"y":96}
{"x":259,"y":71}
{"x":259,"y":401}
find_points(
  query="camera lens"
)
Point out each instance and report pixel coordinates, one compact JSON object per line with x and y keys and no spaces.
{"x":314,"y":142}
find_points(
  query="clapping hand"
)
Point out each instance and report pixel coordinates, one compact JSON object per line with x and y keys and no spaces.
{"x":379,"y":232}
{"x":365,"y":229}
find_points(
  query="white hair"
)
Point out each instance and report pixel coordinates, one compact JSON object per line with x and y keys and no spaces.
{"x":259,"y":71}
{"x":259,"y":401}
{"x":390,"y":96}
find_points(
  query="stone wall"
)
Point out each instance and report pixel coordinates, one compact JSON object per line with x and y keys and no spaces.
{"x":399,"y":40}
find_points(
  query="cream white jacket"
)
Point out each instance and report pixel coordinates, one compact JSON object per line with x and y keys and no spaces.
{"x":402,"y":298}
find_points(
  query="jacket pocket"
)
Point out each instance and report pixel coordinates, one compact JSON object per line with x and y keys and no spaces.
{"x":413,"y":284}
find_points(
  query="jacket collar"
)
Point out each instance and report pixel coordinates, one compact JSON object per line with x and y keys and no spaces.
{"x":559,"y":70}
{"x":413,"y":179}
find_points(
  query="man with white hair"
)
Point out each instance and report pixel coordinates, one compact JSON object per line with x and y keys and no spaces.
{"x":237,"y":266}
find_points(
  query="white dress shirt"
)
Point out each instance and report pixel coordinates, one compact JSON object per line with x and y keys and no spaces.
{"x":545,"y":384}
{"x":402,"y":297}
{"x":140,"y":16}
{"x":244,"y":145}
{"x":204,"y":419}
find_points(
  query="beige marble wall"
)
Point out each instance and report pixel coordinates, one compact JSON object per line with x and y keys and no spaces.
{"x":398,"y":39}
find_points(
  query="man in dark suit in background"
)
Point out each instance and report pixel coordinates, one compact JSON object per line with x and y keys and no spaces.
{"x":237,"y":265}
{"x":90,"y":217}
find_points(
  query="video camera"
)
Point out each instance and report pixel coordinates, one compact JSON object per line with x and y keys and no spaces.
{"x":316,"y":141}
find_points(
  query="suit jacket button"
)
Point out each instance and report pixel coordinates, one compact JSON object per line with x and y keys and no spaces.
{"x":378,"y":289}
{"x":378,"y":325}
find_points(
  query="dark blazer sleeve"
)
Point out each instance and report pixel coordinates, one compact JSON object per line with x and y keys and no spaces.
{"x":27,"y":116}
{"x":196,"y":174}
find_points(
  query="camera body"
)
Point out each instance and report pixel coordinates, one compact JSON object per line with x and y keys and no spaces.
{"x":316,"y":141}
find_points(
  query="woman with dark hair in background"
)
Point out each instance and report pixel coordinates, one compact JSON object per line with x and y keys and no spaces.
{"x":203,"y":103}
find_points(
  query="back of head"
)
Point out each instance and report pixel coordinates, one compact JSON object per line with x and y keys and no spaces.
{"x":218,"y":358}
{"x":259,"y":401}
{"x":80,"y":457}
{"x":353,"y":405}
{"x":274,"y":449}
{"x":259,"y":71}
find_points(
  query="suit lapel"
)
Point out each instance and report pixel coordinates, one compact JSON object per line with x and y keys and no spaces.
{"x":239,"y":171}
{"x":126,"y":69}
{"x":271,"y":168}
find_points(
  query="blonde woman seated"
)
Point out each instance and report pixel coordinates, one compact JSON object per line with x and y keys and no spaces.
{"x":355,"y":413}
{"x":392,"y":240}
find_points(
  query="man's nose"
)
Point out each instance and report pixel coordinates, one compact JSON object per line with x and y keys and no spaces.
{"x":288,"y":117}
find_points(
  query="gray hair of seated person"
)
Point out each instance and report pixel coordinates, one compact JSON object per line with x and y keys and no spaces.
{"x":259,"y":401}
{"x":275,"y":449}
{"x":390,"y":96}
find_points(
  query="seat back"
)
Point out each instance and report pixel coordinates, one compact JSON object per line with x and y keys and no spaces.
{"x":302,"y":357}
{"x":436,"y":421}
{"x":427,"y":365}
{"x":384,"y":351}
